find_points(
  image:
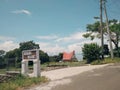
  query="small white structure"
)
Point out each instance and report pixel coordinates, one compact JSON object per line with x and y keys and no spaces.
{"x":31,"y":55}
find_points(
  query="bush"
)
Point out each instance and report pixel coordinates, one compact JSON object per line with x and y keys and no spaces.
{"x":91,"y":52}
{"x":116,"y":52}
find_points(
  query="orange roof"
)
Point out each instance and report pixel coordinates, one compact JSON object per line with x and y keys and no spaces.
{"x":68,"y":56}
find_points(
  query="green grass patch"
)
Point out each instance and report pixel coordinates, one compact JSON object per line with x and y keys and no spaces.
{"x":2,"y":71}
{"x":106,"y":61}
{"x":21,"y":82}
{"x":79,"y":63}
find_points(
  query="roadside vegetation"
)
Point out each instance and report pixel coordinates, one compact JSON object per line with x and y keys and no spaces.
{"x":93,"y":53}
{"x":106,"y":61}
{"x":21,"y":82}
{"x":58,"y":65}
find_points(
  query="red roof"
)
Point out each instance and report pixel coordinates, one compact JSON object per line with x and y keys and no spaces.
{"x":68,"y":56}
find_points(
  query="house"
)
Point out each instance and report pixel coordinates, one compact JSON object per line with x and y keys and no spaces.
{"x":69,"y":56}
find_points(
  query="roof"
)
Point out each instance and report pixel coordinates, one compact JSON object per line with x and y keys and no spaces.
{"x":68,"y":56}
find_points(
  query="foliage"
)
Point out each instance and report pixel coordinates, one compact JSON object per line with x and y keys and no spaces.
{"x":2,"y":52}
{"x":106,"y":61}
{"x":2,"y":61}
{"x":114,"y":30}
{"x":89,"y":34}
{"x":56,"y":58}
{"x":20,"y":82}
{"x":13,"y":58}
{"x":91,"y":52}
{"x":28,"y":45}
{"x":116,"y":52}
{"x":93,"y":27}
{"x":43,"y":57}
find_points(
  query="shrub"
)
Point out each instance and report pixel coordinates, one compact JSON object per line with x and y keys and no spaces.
{"x":116,"y":52}
{"x":91,"y":52}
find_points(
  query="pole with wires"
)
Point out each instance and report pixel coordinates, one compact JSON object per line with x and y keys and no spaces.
{"x":101,"y":28}
{"x":108,"y":29}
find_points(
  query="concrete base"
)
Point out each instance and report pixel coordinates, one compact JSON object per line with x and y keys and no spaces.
{"x":36,"y":68}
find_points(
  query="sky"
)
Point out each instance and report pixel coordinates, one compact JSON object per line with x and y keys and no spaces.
{"x":56,"y":25}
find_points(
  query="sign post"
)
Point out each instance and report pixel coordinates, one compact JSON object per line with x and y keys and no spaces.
{"x":31,"y":55}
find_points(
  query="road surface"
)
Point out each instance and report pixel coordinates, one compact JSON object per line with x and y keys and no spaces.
{"x":107,"y":78}
{"x":63,"y":76}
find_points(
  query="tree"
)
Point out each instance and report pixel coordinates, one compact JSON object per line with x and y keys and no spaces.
{"x":10,"y":58}
{"x":2,"y":61}
{"x":43,"y":57}
{"x":56,"y":58}
{"x":91,"y":52}
{"x":14,"y":57}
{"x":28,"y":45}
{"x":2,"y":52}
{"x":114,"y":30}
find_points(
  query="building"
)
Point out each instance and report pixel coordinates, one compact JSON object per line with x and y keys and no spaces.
{"x":69,"y":56}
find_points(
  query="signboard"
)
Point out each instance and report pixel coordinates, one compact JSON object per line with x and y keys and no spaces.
{"x":30,"y":54}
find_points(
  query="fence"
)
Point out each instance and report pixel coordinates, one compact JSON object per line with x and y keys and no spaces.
{"x":9,"y":69}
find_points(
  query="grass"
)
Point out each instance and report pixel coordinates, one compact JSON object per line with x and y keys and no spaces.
{"x":106,"y":61}
{"x":63,"y":64}
{"x":2,"y":71}
{"x":21,"y":82}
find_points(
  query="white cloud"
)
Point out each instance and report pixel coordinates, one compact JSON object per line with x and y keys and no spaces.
{"x":8,"y":45}
{"x":6,"y":38}
{"x":50,"y":48}
{"x":73,"y":37}
{"x":77,"y":41}
{"x":49,"y":37}
{"x":23,"y":11}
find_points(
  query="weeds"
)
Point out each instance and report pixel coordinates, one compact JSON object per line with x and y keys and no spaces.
{"x":106,"y":61}
{"x":21,"y":82}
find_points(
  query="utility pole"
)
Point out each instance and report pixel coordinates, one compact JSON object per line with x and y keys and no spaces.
{"x":101,"y":28}
{"x":108,"y":30}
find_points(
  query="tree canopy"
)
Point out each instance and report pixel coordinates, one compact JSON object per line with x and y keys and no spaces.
{"x":14,"y":57}
{"x":114,"y":30}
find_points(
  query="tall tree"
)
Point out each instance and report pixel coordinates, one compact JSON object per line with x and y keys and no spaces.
{"x":28,"y":45}
{"x":114,"y":30}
